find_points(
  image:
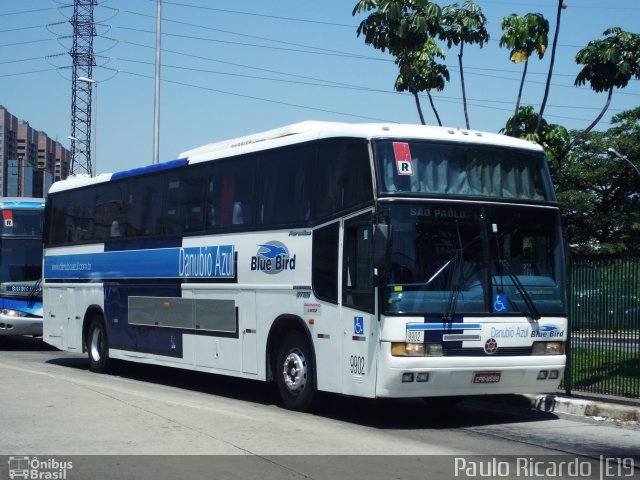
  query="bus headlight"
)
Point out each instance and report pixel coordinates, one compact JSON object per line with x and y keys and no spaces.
{"x":416,"y":349}
{"x":12,"y":313}
{"x":547,"y":348}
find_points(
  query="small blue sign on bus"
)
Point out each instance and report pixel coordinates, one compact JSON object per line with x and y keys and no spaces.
{"x":500,"y":303}
{"x":358,"y":325}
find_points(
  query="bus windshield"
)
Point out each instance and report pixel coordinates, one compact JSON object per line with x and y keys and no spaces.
{"x":20,"y":266}
{"x":22,"y":222}
{"x":463,"y":169}
{"x":450,"y":259}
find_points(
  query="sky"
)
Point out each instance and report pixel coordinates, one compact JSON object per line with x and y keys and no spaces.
{"x":234,"y":68}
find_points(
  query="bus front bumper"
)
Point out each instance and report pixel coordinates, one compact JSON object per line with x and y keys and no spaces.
{"x":13,"y":325}
{"x":410,"y":377}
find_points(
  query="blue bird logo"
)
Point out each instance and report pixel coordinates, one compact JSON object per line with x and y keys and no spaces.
{"x":271,"y":251}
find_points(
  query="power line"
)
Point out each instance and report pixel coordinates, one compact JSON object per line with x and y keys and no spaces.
{"x":253,"y":14}
{"x":27,"y":11}
{"x":239,"y":34}
{"x":27,"y":73}
{"x":229,"y":42}
{"x":501,"y":77}
{"x":338,"y":85}
{"x":15,"y":44}
{"x":252,"y":97}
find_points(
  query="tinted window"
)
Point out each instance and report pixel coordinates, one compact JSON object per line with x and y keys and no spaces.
{"x":285,"y":178}
{"x":230,"y":193}
{"x":344,"y":177}
{"x":72,"y":217}
{"x":184,"y":200}
{"x":357,"y":267}
{"x":144,"y":206}
{"x":110,"y":211}
{"x":324,"y":276}
{"x":431,"y":168}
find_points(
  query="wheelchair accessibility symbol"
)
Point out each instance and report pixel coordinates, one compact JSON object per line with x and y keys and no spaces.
{"x":358,"y":325}
{"x":500,"y":303}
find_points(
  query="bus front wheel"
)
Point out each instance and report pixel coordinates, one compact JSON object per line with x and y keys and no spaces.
{"x":295,"y":372}
{"x":97,"y":345}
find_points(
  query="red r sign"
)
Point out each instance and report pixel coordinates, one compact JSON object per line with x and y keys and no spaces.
{"x":404,"y":164}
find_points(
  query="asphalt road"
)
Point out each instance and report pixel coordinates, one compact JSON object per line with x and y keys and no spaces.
{"x":52,"y":407}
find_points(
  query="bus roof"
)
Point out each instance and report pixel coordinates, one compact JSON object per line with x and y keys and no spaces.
{"x":304,"y":132}
{"x":311,"y":130}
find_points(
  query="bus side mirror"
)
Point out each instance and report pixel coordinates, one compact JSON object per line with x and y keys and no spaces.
{"x":381,"y":244}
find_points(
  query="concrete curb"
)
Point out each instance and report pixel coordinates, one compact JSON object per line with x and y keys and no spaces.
{"x":588,"y":408}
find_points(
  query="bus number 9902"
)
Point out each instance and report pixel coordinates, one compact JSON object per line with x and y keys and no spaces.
{"x":357,"y":364}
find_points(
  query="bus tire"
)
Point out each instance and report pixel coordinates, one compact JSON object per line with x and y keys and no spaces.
{"x":295,"y":372}
{"x":97,"y":344}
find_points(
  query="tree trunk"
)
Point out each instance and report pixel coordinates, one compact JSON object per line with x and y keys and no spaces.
{"x":433,"y":107}
{"x":464,"y":93}
{"x":415,"y":95}
{"x":514,"y":124}
{"x":553,"y":57}
{"x":582,"y":134}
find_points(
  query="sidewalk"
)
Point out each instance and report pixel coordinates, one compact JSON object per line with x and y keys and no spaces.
{"x":599,"y":407}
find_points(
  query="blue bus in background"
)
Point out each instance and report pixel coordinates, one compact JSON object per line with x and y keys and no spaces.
{"x":21,"y":266}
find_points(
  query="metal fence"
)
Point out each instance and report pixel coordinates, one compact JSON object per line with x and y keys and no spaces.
{"x":604,"y":318}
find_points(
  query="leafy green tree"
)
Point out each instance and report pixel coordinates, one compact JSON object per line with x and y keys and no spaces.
{"x":561,"y":6}
{"x":462,"y":25}
{"x":608,"y":63}
{"x":524,"y":36}
{"x":406,"y":29}
{"x":419,"y":71}
{"x":599,"y":195}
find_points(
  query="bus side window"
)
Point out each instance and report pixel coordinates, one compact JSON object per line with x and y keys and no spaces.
{"x":343,"y":178}
{"x":184,"y":199}
{"x":357,"y":267}
{"x":229,"y":194}
{"x":144,"y":206}
{"x":324,"y":268}
{"x":285,"y":186}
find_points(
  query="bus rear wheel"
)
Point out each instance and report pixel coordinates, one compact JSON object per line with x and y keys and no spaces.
{"x":97,"y":345}
{"x":295,"y":372}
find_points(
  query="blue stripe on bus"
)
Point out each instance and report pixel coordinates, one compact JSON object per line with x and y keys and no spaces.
{"x":444,"y":326}
{"x":193,"y":262}
{"x":27,"y":306}
{"x":7,"y":205}
{"x":181,"y":162}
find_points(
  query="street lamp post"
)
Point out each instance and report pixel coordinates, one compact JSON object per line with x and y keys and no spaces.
{"x":613,"y":152}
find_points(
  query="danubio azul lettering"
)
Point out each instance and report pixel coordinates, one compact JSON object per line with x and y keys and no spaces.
{"x":206,"y":262}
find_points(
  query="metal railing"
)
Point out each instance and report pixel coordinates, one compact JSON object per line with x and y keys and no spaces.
{"x":604,"y":318}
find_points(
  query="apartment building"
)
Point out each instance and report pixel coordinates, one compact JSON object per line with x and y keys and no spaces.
{"x":30,"y":161}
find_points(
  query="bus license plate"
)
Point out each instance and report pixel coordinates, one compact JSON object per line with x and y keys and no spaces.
{"x":486,"y":377}
{"x":415,"y":336}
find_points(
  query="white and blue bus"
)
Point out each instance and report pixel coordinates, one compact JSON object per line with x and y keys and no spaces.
{"x":368,"y":260}
{"x":21,"y":266}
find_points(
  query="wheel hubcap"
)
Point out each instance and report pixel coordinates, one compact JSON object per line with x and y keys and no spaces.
{"x":96,"y":345}
{"x":294,"y":371}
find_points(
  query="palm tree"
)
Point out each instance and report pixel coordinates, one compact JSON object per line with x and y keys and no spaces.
{"x":460,"y":25}
{"x":404,"y":28}
{"x":608,"y":63}
{"x":524,"y":36}
{"x":561,"y":6}
{"x":421,"y":72}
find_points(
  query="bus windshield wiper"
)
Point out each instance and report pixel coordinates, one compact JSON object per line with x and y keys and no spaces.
{"x":526,"y":298}
{"x":454,"y":285}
